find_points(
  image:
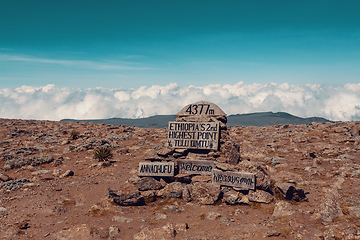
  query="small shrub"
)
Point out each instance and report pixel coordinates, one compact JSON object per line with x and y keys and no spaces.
{"x":102,"y":154}
{"x":74,"y":134}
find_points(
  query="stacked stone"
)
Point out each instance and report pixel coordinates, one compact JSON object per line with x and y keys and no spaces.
{"x":203,"y":185}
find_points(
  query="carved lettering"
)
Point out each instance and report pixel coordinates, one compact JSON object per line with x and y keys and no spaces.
{"x":193,"y":135}
{"x":235,"y":179}
{"x":156,"y":169}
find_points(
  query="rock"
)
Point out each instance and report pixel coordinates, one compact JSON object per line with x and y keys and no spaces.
{"x":221,"y":159}
{"x":196,"y":156}
{"x":113,"y":232}
{"x":226,"y":219}
{"x":205,"y":193}
{"x":56,"y":173}
{"x":355,"y":130}
{"x":14,"y":184}
{"x":187,"y":193}
{"x":4,"y":177}
{"x":231,"y":197}
{"x":68,"y":173}
{"x":263,"y":181}
{"x":239,"y":212}
{"x":329,"y":207}
{"x":285,"y":189}
{"x":183,"y":178}
{"x":160,"y":216}
{"x":42,"y":159}
{"x":231,"y":151}
{"x":82,"y":231}
{"x":64,"y":142}
{"x":104,"y":164}
{"x":355,"y":211}
{"x":173,"y":208}
{"x":260,"y":196}
{"x":149,"y":196}
{"x":163,"y":233}
{"x":172,"y":190}
{"x":283,"y":208}
{"x":290,"y":192}
{"x":146,"y":183}
{"x":30,"y":185}
{"x":225,"y":166}
{"x":181,"y":227}
{"x":244,"y":200}
{"x":151,"y":154}
{"x":122,"y":219}
{"x":99,"y":209}
{"x":128,"y":195}
{"x":212,"y":215}
{"x":23,"y":225}
{"x":272,"y":233}
{"x":201,"y":178}
{"x":2,"y":209}
{"x":40,"y":172}
{"x":180,"y":152}
{"x":164,"y":152}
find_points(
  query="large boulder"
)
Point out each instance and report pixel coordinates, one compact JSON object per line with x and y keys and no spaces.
{"x":260,"y":196}
{"x":146,"y":183}
{"x":355,"y":130}
{"x":205,"y":193}
{"x":231,"y":150}
{"x":128,"y":195}
{"x":283,"y":208}
{"x":263,"y":181}
{"x":290,"y":192}
{"x":230,"y":196}
{"x":171,"y":190}
{"x":329,"y":207}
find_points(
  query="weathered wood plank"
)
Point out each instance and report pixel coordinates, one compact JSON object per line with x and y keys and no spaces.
{"x":161,"y":169}
{"x":193,"y":135}
{"x":244,"y":181}
{"x":202,"y":167}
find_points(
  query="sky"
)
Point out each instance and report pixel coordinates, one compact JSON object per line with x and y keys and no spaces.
{"x":137,"y":58}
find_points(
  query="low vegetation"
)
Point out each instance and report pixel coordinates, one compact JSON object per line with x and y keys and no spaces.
{"x":103,"y":154}
{"x":74,"y":134}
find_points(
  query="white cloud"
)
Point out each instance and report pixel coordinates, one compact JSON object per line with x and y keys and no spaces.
{"x":53,"y":103}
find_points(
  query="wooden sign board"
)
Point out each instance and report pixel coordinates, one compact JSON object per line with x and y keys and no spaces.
{"x":193,"y":135}
{"x":244,"y":181}
{"x":201,"y":167}
{"x":161,"y":169}
{"x":201,"y":108}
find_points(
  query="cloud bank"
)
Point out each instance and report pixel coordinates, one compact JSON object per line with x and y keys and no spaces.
{"x":340,"y":103}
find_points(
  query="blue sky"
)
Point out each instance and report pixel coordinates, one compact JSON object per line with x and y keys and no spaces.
{"x":128,"y":44}
{"x":65,"y":59}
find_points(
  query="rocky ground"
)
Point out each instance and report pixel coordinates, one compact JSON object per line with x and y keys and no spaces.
{"x":53,"y":188}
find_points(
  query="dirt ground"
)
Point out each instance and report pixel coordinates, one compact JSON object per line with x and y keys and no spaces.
{"x":322,"y":159}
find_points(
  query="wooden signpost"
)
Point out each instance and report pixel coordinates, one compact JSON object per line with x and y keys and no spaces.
{"x":244,"y":181}
{"x":193,"y":135}
{"x":162,"y":169}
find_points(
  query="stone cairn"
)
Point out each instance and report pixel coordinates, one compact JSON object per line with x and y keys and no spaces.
{"x":201,"y":164}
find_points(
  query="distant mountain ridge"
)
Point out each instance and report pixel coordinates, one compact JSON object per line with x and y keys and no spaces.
{"x":250,"y":119}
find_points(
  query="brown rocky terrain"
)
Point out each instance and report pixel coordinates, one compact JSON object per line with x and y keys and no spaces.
{"x":307,"y":184}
